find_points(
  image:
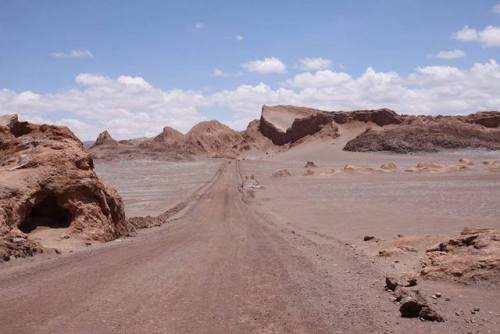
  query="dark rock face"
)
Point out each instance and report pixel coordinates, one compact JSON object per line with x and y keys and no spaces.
{"x":427,"y":136}
{"x":47,"y":179}
{"x":401,"y":133}
{"x":300,"y":127}
{"x":380,"y":117}
{"x":308,"y":121}
{"x":489,"y":119}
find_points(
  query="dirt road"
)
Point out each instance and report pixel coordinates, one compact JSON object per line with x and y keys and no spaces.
{"x":222,"y":268}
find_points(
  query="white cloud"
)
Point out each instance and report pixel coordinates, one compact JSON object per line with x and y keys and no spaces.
{"x":265,"y":66}
{"x":73,"y":54}
{"x":450,"y":54}
{"x":239,"y":38}
{"x":218,"y":72}
{"x":318,"y":79}
{"x":488,"y":37}
{"x":429,"y":90}
{"x":131,"y":107}
{"x":466,"y":34}
{"x":496,"y":8}
{"x":137,"y":82}
{"x":127,"y":106}
{"x":87,"y":79}
{"x":315,"y":64}
{"x":199,"y":25}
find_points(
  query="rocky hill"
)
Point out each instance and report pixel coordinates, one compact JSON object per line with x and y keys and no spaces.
{"x":427,"y":136}
{"x":385,"y":129}
{"x":105,"y":138}
{"x":209,"y":138}
{"x":288,"y":124}
{"x":281,"y":127}
{"x":212,"y":138}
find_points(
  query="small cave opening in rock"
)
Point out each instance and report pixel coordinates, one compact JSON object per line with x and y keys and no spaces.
{"x":46,"y":213}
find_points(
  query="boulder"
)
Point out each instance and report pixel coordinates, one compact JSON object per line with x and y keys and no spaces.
{"x":406,"y":280}
{"x":310,"y":164}
{"x":390,"y":166}
{"x":281,"y":173}
{"x":309,"y":172}
{"x":413,"y":305}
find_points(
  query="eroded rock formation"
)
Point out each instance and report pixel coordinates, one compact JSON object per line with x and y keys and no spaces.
{"x":427,"y":136}
{"x":472,"y":257}
{"x":288,"y":124}
{"x":212,"y":138}
{"x":47,"y":179}
{"x":105,"y":138}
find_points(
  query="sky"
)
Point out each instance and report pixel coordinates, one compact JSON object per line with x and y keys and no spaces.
{"x":133,"y":67}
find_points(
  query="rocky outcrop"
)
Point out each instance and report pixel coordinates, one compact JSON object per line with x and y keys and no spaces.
{"x":105,"y":138}
{"x":8,"y":120}
{"x":397,"y":133}
{"x":170,"y":136}
{"x":489,"y":119}
{"x":209,"y":138}
{"x":380,"y":117}
{"x":252,"y":138}
{"x":288,"y":124}
{"x":472,"y":257}
{"x":212,"y":138}
{"x":47,"y":180}
{"x":429,"y":135}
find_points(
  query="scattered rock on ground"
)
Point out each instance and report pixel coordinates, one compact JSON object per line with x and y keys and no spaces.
{"x":413,"y":305}
{"x":360,"y":169}
{"x":472,"y":257}
{"x":465,"y":162}
{"x":281,"y":173}
{"x":492,"y":165}
{"x":310,"y":164}
{"x":426,"y":167}
{"x":390,"y":166}
{"x":251,"y":183}
{"x":405,"y":280}
{"x":309,"y":172}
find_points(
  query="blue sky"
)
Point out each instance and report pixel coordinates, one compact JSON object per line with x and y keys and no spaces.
{"x":177,"y":45}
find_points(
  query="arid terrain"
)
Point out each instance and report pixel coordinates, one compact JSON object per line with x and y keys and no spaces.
{"x":277,"y":229}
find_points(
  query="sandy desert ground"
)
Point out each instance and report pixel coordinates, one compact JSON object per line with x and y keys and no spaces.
{"x":150,"y":187}
{"x":284,"y":256}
